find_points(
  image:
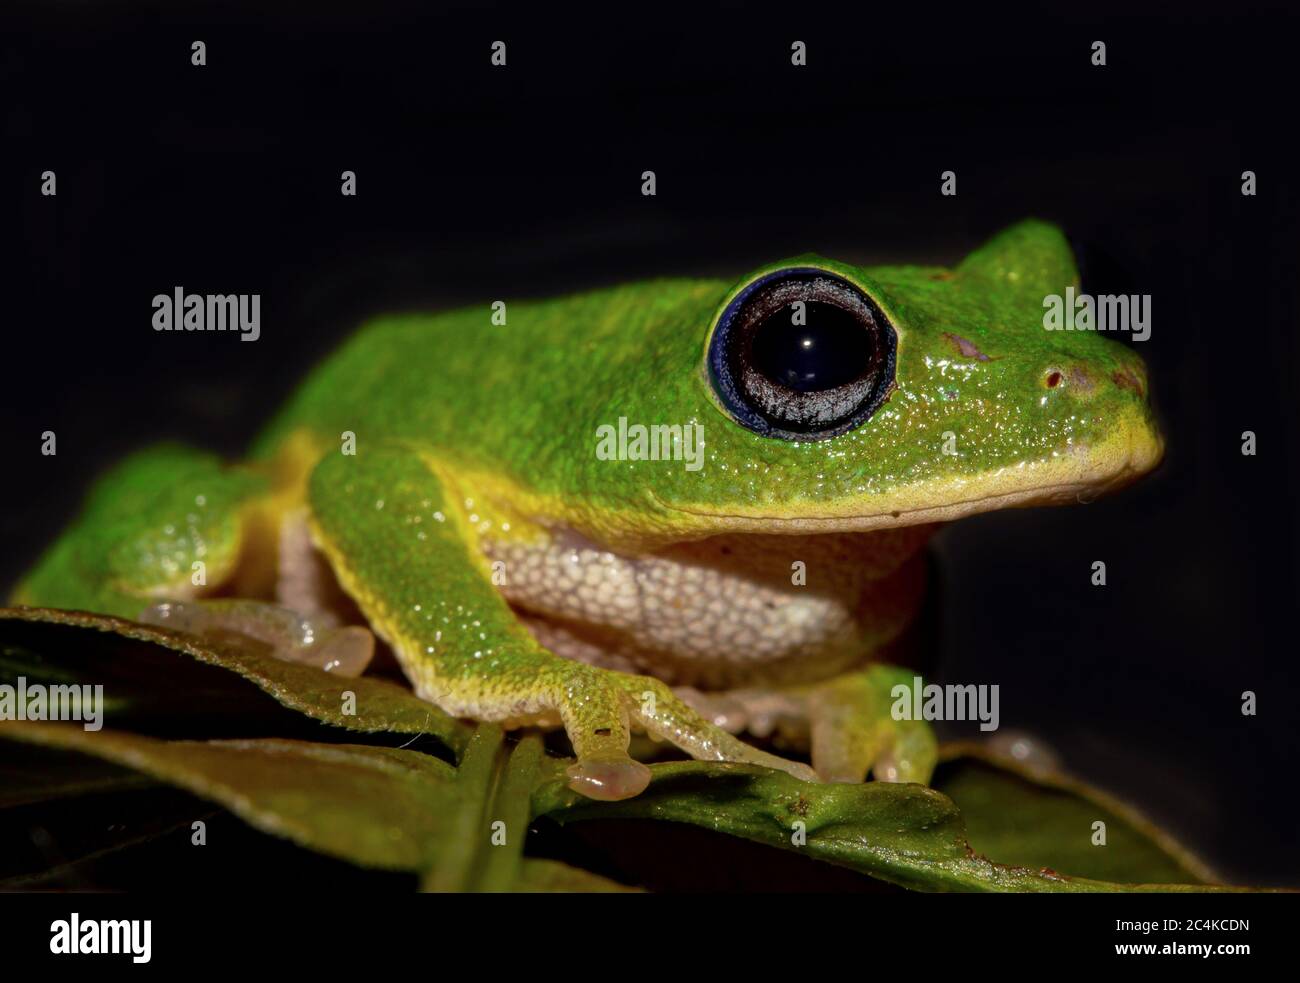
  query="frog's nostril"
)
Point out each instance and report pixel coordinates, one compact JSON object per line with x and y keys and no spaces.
{"x":1130,"y":379}
{"x":1077,"y":379}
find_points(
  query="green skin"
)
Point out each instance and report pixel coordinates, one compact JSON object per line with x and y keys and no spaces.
{"x":466,"y":431}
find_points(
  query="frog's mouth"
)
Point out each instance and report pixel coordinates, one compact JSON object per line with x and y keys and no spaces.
{"x":1076,"y":475}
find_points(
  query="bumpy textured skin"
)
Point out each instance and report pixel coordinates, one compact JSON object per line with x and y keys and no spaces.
{"x":477,"y":441}
{"x":143,"y":528}
{"x":390,"y":531}
{"x":720,"y":613}
{"x":518,"y":405}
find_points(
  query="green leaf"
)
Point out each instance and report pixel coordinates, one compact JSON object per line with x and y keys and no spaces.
{"x":378,"y":807}
{"x":397,"y":809}
{"x":904,"y":834}
{"x":1043,"y":819}
{"x":155,"y":680}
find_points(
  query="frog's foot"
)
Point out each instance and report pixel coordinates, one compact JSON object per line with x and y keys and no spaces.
{"x":599,"y":707}
{"x":760,"y":712}
{"x":847,"y":721}
{"x":343,"y":651}
{"x":665,"y":716}
{"x":854,"y":732}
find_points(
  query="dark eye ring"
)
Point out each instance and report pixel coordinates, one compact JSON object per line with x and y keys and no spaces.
{"x":802,"y":354}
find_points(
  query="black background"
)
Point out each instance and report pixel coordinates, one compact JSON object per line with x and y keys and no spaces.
{"x":476,"y":182}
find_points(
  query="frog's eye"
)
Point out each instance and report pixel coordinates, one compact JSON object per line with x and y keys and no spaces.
{"x":802,"y":354}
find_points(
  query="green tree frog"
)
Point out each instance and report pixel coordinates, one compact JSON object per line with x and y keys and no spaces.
{"x":686,"y":507}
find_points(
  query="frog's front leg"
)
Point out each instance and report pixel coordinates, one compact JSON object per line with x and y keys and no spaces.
{"x":166,"y":528}
{"x":166,"y":523}
{"x":848,"y":722}
{"x":401,"y":546}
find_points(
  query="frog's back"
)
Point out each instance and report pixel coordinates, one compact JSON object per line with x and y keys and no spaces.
{"x":461,"y":383}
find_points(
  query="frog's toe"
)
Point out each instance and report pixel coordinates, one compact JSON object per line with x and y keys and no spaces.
{"x":843,"y":757}
{"x":343,"y":651}
{"x":608,"y":780}
{"x":598,"y":707}
{"x":844,"y":749}
{"x":665,"y":716}
{"x":595,"y":715}
{"x":854,"y":733}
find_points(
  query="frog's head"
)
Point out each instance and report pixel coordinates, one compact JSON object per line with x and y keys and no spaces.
{"x":837,"y":398}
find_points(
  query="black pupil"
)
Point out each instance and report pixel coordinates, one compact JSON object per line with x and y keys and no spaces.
{"x":829,"y":349}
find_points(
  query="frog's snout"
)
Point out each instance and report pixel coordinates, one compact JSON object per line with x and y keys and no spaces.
{"x":1116,"y":396}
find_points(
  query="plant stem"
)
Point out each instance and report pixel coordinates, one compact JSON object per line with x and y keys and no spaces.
{"x":512,"y":806}
{"x":477,"y":777}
